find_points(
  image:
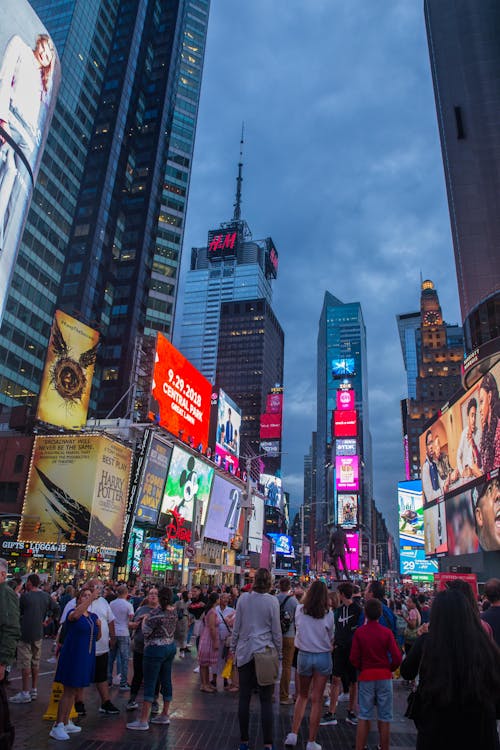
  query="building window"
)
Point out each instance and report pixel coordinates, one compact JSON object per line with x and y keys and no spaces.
{"x":8,"y":492}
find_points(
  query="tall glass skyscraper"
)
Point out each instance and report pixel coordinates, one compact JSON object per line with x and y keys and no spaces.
{"x":106,"y":232}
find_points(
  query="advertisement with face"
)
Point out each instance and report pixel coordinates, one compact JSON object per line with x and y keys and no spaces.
{"x":189,"y":480}
{"x":463,"y":444}
{"x":347,"y":511}
{"x":486,"y":502}
{"x":77,"y":490}
{"x":256,"y":524}
{"x":283,"y":544}
{"x":347,"y":473}
{"x":68,"y":372}
{"x":227,"y":443}
{"x":180,"y":396}
{"x":460,"y":523}
{"x":224,"y":510}
{"x":411,"y":513}
{"x":436,"y":540}
{"x":272,"y":490}
{"x":29,"y":81}
{"x":152,"y":481}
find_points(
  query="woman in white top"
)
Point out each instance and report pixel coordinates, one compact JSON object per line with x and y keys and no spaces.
{"x":314,"y":625}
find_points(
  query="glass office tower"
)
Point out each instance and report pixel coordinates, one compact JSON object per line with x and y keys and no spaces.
{"x":127,"y":123}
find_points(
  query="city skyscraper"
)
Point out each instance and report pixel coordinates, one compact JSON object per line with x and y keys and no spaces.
{"x":464,"y":48}
{"x":433,"y":353}
{"x":104,"y":236}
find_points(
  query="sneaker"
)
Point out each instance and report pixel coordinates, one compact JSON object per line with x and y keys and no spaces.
{"x":58,"y":732}
{"x":327,"y":702}
{"x":124,"y":688}
{"x":109,"y":708}
{"x":351,"y":718}
{"x":343,"y":697}
{"x":22,"y":697}
{"x":291,"y":739}
{"x":80,"y":708}
{"x":131,"y":705}
{"x":71,"y":728}
{"x":287,"y":702}
{"x":196,"y":669}
{"x":155,"y":707}
{"x":313,"y":746}
{"x":34,"y":694}
{"x":182,"y":654}
{"x":139,"y":726}
{"x":328,"y":720}
{"x":161,"y":719}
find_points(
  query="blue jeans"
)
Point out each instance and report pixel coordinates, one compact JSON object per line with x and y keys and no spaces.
{"x":157,"y":664}
{"x":373,"y":693}
{"x":120,"y":652}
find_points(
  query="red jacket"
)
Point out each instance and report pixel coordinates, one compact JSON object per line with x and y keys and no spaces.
{"x":374,"y":652}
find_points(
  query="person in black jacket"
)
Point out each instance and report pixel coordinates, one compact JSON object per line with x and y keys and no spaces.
{"x":459,"y":668}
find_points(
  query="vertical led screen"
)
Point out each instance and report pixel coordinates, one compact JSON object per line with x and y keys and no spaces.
{"x":347,"y":473}
{"x":346,"y":399}
{"x":436,"y":539}
{"x":152,"y":481}
{"x":344,"y":423}
{"x":347,"y":511}
{"x":189,"y":481}
{"x":352,"y":557}
{"x":77,"y":491}
{"x":227,"y":443}
{"x":180,"y":399}
{"x":256,"y":525}
{"x":411,"y":514}
{"x":68,"y":372}
{"x":346,"y":447}
{"x":29,"y":81}
{"x":223,"y":511}
{"x":273,"y":491}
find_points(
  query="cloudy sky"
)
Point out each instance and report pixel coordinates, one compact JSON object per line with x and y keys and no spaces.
{"x":342,"y":167}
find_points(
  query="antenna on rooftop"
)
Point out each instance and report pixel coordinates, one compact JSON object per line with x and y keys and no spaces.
{"x":239,"y":179}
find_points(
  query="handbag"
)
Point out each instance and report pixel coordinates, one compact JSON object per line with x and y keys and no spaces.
{"x":267,"y":666}
{"x":414,"y":705}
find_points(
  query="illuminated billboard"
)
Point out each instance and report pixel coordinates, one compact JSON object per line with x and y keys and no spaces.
{"x":283,"y":544}
{"x":223,"y":243}
{"x":274,"y":403}
{"x":181,"y":396}
{"x":346,"y":399}
{"x":189,"y":481}
{"x":346,"y":447}
{"x":347,"y":511}
{"x":412,"y":562}
{"x":436,"y":540}
{"x":345,"y":423}
{"x":29,"y":80}
{"x":256,"y":524}
{"x":227,"y":442}
{"x":270,"y":426}
{"x":463,"y":443}
{"x":77,"y":491}
{"x":273,"y":491}
{"x":347,"y":473}
{"x":352,"y":557}
{"x":68,"y":372}
{"x":343,"y":367}
{"x":152,"y":481}
{"x":224,"y":510}
{"x":411,"y":513}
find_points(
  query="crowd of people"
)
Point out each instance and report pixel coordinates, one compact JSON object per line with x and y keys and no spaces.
{"x":321,"y":645}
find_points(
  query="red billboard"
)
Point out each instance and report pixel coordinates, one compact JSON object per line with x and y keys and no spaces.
{"x":180,"y":400}
{"x":270,"y":426}
{"x":346,"y":399}
{"x":345,"y":423}
{"x":274,"y":404}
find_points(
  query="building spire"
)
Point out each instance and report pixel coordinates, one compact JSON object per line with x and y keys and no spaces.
{"x":239,"y":179}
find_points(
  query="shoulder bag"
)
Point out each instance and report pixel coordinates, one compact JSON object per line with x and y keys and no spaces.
{"x":267,"y":666}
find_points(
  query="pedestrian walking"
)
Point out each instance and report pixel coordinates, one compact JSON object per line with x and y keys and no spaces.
{"x":10,"y":633}
{"x":314,"y":623}
{"x":288,"y":604}
{"x":208,"y":648}
{"x":123,"y":612}
{"x":181,"y":606}
{"x":225,"y":620}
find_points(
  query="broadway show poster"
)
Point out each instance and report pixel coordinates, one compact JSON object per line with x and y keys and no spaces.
{"x":188,"y":479}
{"x":67,"y":376}
{"x":76,"y":483}
{"x":152,"y":482}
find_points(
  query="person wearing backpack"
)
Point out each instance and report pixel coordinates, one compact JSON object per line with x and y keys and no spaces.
{"x":288,"y":604}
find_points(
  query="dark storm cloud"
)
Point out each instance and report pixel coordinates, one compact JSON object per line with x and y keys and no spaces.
{"x":343,"y":169}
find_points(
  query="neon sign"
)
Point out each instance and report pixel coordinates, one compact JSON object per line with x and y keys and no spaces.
{"x":219,"y":244}
{"x":175,"y":529}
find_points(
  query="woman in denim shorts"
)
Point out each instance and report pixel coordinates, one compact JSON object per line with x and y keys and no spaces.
{"x":314,"y":625}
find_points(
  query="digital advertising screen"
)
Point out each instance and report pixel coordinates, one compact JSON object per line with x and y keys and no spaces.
{"x":347,"y":473}
{"x":352,"y":557}
{"x":274,"y":403}
{"x":135,"y":550}
{"x":346,"y":447}
{"x":463,"y":444}
{"x":412,"y":562}
{"x":165,"y":557}
{"x":68,"y":372}
{"x":227,"y":443}
{"x":223,"y":511}
{"x":77,"y":491}
{"x":30,"y":74}
{"x":180,"y":396}
{"x":272,"y":448}
{"x":461,"y":523}
{"x":411,"y":513}
{"x":189,"y":481}
{"x":345,"y":423}
{"x":283,"y":544}
{"x":343,"y":367}
{"x":347,"y":511}
{"x":152,"y":481}
{"x":270,"y":426}
{"x":435,"y":536}
{"x":273,"y":490}
{"x":256,"y":524}
{"x":346,"y":399}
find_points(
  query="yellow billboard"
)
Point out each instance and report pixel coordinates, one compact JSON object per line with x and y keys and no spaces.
{"x":77,"y":491}
{"x":67,"y":376}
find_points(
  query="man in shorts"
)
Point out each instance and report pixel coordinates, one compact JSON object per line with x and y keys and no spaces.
{"x":376,"y":656}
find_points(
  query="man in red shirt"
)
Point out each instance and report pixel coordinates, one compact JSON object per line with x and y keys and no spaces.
{"x":375,"y":655}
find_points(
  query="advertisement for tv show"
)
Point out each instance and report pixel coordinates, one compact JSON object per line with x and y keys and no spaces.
{"x":411,"y":513}
{"x":29,"y":80}
{"x":189,"y":481}
{"x":227,"y":442}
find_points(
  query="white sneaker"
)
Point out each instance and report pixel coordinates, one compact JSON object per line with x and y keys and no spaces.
{"x":291,"y":739}
{"x":181,"y":654}
{"x":313,"y":746}
{"x":196,"y":669}
{"x":71,"y":728}
{"x":327,"y":702}
{"x":34,"y":694}
{"x":22,"y":697}
{"x":58,"y":732}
